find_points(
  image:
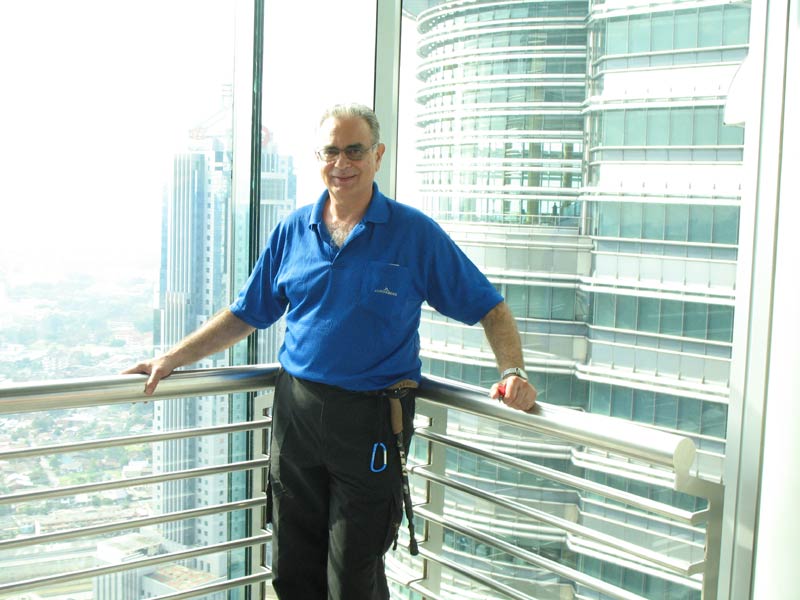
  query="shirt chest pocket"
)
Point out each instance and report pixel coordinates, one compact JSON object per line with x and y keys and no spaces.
{"x":386,"y":288}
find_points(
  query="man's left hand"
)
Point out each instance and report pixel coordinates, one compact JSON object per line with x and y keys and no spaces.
{"x":515,"y":392}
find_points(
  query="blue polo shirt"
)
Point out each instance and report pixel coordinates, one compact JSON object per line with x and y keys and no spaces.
{"x":352,"y":314}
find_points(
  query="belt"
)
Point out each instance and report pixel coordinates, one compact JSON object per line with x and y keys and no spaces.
{"x":396,"y":390}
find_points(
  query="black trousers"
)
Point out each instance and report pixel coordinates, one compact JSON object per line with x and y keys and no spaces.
{"x":336,"y":492}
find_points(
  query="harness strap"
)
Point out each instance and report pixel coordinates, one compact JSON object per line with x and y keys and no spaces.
{"x":396,"y":411}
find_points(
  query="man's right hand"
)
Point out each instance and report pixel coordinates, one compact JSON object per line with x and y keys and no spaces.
{"x":220,"y":332}
{"x":157,"y":369}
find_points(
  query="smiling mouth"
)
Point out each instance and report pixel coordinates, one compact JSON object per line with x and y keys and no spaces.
{"x":343,"y":178}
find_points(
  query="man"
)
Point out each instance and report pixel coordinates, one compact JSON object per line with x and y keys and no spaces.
{"x":351,"y":273}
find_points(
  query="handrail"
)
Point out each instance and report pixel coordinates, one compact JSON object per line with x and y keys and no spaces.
{"x":116,"y":389}
{"x":606,"y":433}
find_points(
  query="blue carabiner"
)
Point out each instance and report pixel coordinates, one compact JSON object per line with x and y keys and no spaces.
{"x":375,"y":447}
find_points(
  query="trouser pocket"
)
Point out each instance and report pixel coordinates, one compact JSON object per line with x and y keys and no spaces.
{"x":395,"y":517}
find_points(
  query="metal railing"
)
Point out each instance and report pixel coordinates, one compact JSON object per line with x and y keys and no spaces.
{"x":511,"y":505}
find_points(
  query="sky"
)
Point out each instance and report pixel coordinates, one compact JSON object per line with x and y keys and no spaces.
{"x":98,"y":96}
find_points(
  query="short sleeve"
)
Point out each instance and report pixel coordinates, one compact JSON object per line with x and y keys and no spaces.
{"x":259,"y":303}
{"x":456,"y":287}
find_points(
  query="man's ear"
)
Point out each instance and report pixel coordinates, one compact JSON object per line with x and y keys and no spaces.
{"x":380,"y":150}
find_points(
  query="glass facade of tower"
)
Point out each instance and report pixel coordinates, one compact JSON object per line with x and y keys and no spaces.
{"x":662,"y":191}
{"x":577,"y":151}
{"x":199,"y":258}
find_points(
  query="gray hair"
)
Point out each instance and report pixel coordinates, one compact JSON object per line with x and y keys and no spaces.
{"x":355,"y":111}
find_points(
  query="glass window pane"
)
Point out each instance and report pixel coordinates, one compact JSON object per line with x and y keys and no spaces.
{"x":689,"y":415}
{"x":726,"y":225}
{"x":666,"y":410}
{"x":563,"y":304}
{"x":643,"y":406}
{"x":710,"y":32}
{"x":608,"y":216}
{"x":714,"y":420}
{"x":736,"y":25}
{"x":613,"y":128}
{"x":649,"y":309}
{"x":653,"y":222}
{"x":730,"y":135}
{"x":700,"y":223}
{"x":657,"y":127}
{"x":600,"y":400}
{"x":622,"y":402}
{"x":695,"y":320}
{"x":680,"y":124}
{"x":617,"y":36}
{"x":604,"y":310}
{"x":517,"y":299}
{"x":626,"y":312}
{"x":639,"y":33}
{"x":631,"y":217}
{"x":635,"y":127}
{"x":720,"y":323}
{"x":662,"y":24}
{"x":685,"y":30}
{"x":706,"y":126}
{"x":671,"y":317}
{"x":677,"y":222}
{"x":105,"y":118}
{"x":540,"y":302}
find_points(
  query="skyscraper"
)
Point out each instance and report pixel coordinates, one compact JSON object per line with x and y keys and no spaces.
{"x":200,"y":276}
{"x":577,"y":151}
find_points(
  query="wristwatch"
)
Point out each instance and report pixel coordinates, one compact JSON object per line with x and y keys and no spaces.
{"x":514,"y":371}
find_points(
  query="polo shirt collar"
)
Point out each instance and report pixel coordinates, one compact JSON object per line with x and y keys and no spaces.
{"x":377,"y":211}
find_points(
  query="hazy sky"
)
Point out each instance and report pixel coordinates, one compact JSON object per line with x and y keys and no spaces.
{"x":98,"y":96}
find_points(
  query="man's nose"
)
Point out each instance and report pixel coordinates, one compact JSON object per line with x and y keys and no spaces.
{"x":341,"y":159}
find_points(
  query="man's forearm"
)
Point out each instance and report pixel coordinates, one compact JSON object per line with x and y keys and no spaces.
{"x":503,"y":335}
{"x":220,"y":332}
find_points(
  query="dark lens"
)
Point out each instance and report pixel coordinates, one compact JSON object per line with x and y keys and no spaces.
{"x":355,"y":152}
{"x":329,"y":154}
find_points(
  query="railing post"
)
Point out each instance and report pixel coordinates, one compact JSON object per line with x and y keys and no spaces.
{"x":262,"y":402}
{"x":434,"y":533}
{"x":715,"y":494}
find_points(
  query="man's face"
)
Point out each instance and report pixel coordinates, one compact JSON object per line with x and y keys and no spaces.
{"x":348,"y":179}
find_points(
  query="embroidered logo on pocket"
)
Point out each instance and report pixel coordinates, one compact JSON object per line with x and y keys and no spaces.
{"x":386,"y":291}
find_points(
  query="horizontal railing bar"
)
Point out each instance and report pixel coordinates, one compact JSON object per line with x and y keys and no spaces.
{"x":531,"y":557}
{"x":134,"y":481}
{"x":422,"y":590}
{"x":600,"y":431}
{"x":484,"y":580}
{"x":50,"y":580}
{"x":677,"y":566}
{"x":657,"y":447}
{"x":403,"y":579}
{"x":229,"y":584}
{"x":117,"y":389}
{"x":85,"y":532}
{"x":646,"y":504}
{"x":134,"y":439}
{"x":611,"y":467}
{"x":597,"y":551}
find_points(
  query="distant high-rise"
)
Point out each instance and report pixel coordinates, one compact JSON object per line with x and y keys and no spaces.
{"x":144,"y":582}
{"x":577,"y":152}
{"x":199,"y":278}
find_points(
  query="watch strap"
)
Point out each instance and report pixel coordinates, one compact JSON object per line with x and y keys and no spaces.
{"x":517,"y":371}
